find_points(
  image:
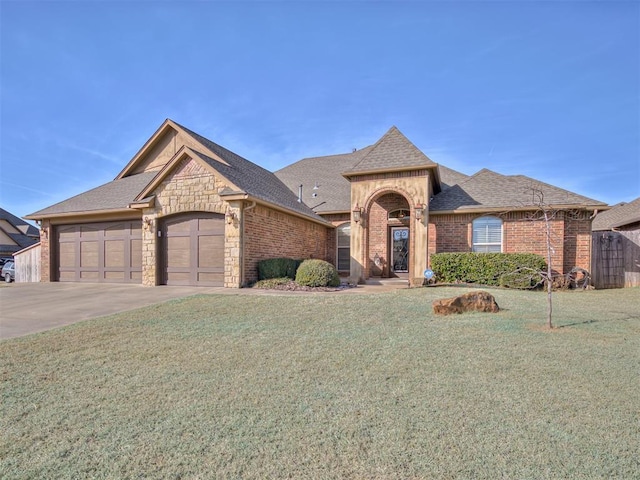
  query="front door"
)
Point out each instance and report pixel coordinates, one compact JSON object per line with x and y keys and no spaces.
{"x":399,"y":249}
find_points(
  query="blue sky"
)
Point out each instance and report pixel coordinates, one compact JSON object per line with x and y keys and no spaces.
{"x":546,"y":89}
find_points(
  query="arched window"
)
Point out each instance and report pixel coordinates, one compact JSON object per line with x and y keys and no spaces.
{"x":344,"y":247}
{"x":487,"y":234}
{"x":400,"y":214}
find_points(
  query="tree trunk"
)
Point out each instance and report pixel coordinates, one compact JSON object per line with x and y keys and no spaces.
{"x":549,"y":270}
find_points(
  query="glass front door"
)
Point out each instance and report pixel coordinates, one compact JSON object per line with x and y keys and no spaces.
{"x":399,"y":249}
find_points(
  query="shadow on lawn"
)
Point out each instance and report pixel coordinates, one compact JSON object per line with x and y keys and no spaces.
{"x":577,"y":323}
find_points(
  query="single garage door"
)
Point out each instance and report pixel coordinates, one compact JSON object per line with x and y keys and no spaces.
{"x":100,"y":252}
{"x":193,"y":249}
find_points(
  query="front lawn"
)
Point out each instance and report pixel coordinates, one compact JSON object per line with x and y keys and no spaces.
{"x":333,"y":385}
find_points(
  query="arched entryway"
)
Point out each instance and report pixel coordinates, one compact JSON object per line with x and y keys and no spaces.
{"x":192,"y":249}
{"x":389,"y":236}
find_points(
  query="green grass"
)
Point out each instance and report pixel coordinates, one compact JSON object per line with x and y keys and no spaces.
{"x":334,"y":385}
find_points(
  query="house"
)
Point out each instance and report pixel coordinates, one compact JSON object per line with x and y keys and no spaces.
{"x":15,"y":234}
{"x":186,"y":211}
{"x":616,"y":246}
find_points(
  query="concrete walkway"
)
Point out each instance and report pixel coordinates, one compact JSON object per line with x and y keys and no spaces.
{"x":27,"y":308}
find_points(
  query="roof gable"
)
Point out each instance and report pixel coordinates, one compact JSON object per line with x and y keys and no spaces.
{"x":393,"y":151}
{"x":19,"y":224}
{"x":15,"y":233}
{"x":163,"y":145}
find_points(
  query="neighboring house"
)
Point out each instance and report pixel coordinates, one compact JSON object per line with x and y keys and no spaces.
{"x":616,"y":246}
{"x":15,"y":234}
{"x":185,"y":210}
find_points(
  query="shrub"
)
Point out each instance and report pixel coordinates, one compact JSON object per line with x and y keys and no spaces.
{"x":277,"y":268}
{"x":484,"y":268}
{"x":317,"y":273}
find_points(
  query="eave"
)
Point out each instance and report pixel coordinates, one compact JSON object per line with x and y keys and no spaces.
{"x":353,"y":173}
{"x":82,"y":216}
{"x":481,"y":209}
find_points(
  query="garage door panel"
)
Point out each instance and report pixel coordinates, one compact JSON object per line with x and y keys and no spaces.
{"x":117,"y":277}
{"x":211,"y":225}
{"x":89,"y":275}
{"x":179,"y":252}
{"x":100,"y":252}
{"x":135,"y":254}
{"x":211,"y":278}
{"x":89,"y":233}
{"x":89,"y":254}
{"x":113,"y":253}
{"x":67,"y":255}
{"x":116,"y":230}
{"x":209,"y":248}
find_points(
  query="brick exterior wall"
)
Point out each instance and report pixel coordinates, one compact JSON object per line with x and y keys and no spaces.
{"x":522,"y":232}
{"x":269,"y":233}
{"x":46,"y":268}
{"x":577,"y":241}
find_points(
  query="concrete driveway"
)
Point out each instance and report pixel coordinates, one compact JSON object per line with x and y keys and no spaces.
{"x":34,"y":307}
{"x":27,"y":308}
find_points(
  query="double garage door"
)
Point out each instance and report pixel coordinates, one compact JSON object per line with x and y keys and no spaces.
{"x":190,"y":251}
{"x":100,"y":252}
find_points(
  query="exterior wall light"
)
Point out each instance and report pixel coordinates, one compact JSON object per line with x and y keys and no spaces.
{"x":419,"y":212}
{"x":229,"y":216}
{"x":147,"y":223}
{"x":357,"y":213}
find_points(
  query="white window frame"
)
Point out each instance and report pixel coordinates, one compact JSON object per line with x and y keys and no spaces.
{"x":343,"y":247}
{"x":486,"y":222}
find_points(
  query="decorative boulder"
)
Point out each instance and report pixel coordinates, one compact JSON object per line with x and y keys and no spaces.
{"x":469,"y":302}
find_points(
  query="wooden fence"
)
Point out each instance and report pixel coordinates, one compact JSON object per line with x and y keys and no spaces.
{"x":615,"y":259}
{"x":28,"y":264}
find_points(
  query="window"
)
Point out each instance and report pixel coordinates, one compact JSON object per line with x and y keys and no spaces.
{"x":487,"y":235}
{"x":344,"y":247}
{"x":400,"y":214}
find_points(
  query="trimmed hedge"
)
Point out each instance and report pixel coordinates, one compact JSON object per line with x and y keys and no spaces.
{"x":486,"y":268}
{"x":317,"y":273}
{"x":278,"y":268}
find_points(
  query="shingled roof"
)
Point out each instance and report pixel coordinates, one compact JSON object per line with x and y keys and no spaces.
{"x":16,"y":234}
{"x":333,"y":192}
{"x":251,"y":178}
{"x":450,"y":177}
{"x":488,"y":190}
{"x":620,"y":215}
{"x":393,"y":151}
{"x":117,"y":194}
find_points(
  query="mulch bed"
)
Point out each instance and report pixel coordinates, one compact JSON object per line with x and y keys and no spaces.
{"x":294,"y":287}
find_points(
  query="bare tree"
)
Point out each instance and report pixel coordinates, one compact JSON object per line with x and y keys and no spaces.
{"x":547,"y":214}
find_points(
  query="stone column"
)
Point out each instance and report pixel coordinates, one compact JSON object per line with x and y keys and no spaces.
{"x":149,"y":248}
{"x":233,"y":275}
